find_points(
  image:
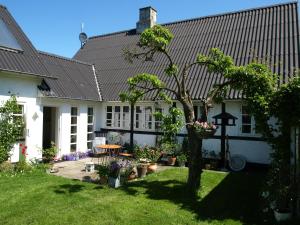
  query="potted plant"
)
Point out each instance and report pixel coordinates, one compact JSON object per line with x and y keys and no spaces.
{"x":103,"y":171}
{"x":49,"y":153}
{"x":170,"y":149}
{"x":114,"y":174}
{"x":153,"y":154}
{"x":181,"y":160}
{"x":204,"y":129}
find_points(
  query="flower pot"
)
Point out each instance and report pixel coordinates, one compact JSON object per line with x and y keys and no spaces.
{"x":171,"y":161}
{"x":282,"y":216}
{"x":142,"y":170}
{"x":181,"y":163}
{"x":131,"y":176}
{"x":103,"y":180}
{"x":207,"y":166}
{"x":114,"y":182}
{"x":152,"y":168}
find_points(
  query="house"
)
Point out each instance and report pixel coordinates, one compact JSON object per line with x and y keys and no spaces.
{"x":66,"y":100}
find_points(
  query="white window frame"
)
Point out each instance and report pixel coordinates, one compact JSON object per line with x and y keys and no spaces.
{"x":117,"y":116}
{"x":125,"y":117}
{"x":90,"y":141}
{"x":22,"y":137}
{"x":252,"y":123}
{"x":74,"y":125}
{"x":111,"y":120}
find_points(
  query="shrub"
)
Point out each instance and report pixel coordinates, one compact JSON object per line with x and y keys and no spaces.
{"x":50,"y":153}
{"x":6,"y":167}
{"x":11,"y":127}
{"x":22,"y":167}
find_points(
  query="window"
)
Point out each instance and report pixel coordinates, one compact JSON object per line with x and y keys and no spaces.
{"x":158,"y":120}
{"x":148,"y":117}
{"x":138,"y":117}
{"x":90,"y":127}
{"x":7,"y":40}
{"x":117,"y":116}
{"x":73,"y":138}
{"x":246,"y":127}
{"x":126,"y":117}
{"x":18,"y":116}
{"x":109,"y":116}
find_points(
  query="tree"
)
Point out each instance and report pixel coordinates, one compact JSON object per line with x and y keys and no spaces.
{"x":11,"y":127}
{"x":254,"y":79}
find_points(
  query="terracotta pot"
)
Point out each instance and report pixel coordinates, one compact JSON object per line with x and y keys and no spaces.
{"x":103,"y":180}
{"x":207,"y":166}
{"x":171,"y":161}
{"x":282,"y":216}
{"x":142,"y":170}
{"x":152,"y":168}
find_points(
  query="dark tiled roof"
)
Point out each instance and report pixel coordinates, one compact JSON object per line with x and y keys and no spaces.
{"x":75,"y":79}
{"x":269,"y":32}
{"x":26,"y":61}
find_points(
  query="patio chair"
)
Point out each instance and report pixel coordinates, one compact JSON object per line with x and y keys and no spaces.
{"x":99,"y":152}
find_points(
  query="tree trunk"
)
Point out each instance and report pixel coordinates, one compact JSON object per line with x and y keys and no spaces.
{"x":195,"y":162}
{"x":195,"y":150}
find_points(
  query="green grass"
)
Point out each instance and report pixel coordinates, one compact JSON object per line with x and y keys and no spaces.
{"x":38,"y":198}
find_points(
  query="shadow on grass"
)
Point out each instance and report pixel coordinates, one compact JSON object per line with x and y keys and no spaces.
{"x":68,"y":188}
{"x":236,"y":197}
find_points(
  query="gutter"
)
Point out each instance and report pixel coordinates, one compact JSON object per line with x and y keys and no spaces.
{"x":28,"y":73}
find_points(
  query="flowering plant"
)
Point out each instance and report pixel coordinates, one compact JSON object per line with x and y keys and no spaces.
{"x":204,"y":128}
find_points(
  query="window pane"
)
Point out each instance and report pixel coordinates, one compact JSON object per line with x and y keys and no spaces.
{"x":109,"y":115}
{"x":138,"y":109}
{"x":246,"y":129}
{"x":117,"y":109}
{"x":90,"y":111}
{"x":90,"y":128}
{"x":90,"y":136}
{"x":90,"y":119}
{"x":108,"y":123}
{"x":125,"y":108}
{"x":73,"y":129}
{"x":7,"y":39}
{"x":90,"y":145}
{"x":73,"y":147}
{"x":246,"y":119}
{"x":73,"y":139}
{"x":109,"y":109}
{"x":74,"y":111}
{"x":74,"y":120}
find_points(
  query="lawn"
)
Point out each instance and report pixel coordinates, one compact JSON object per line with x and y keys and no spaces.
{"x":39,"y":198}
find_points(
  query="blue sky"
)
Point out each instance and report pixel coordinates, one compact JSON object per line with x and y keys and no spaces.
{"x":54,"y":25}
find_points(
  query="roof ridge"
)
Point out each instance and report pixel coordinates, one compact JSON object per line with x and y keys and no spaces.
{"x":204,"y":17}
{"x":63,"y":57}
{"x":113,"y":33}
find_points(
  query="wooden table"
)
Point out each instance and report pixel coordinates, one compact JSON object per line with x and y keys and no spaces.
{"x":111,"y":148}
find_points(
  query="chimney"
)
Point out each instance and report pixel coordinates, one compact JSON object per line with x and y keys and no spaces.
{"x":147,"y":19}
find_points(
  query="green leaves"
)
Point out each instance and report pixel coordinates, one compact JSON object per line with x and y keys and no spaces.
{"x":157,"y":38}
{"x":11,"y":127}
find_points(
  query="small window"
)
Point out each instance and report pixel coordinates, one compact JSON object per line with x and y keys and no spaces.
{"x":90,"y":127}
{"x":247,"y":126}
{"x":7,"y":39}
{"x":158,"y":121}
{"x":109,"y":116}
{"x":73,"y":135}
{"x":18,"y":116}
{"x":148,"y":117}
{"x":138,"y":117}
{"x":126,"y":117}
{"x":117,"y":116}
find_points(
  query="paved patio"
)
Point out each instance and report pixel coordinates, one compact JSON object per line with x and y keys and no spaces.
{"x":76,"y":169}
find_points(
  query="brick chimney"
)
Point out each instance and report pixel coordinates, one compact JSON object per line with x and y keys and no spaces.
{"x":147,"y":19}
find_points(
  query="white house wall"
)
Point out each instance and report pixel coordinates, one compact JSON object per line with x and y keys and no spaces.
{"x":251,"y":146}
{"x":26,"y":91}
{"x":63,"y":107}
